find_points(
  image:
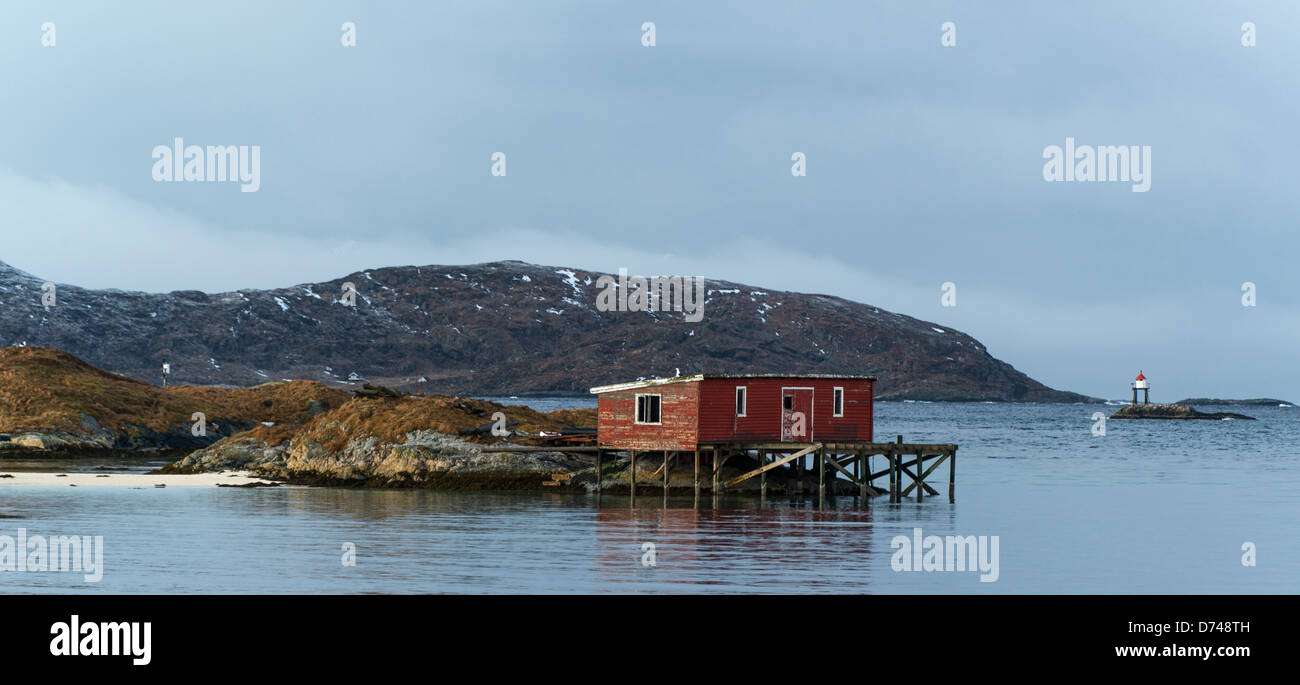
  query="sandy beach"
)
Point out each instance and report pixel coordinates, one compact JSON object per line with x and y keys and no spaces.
{"x":128,"y":480}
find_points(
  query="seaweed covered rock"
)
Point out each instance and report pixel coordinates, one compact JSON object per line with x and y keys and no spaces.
{"x":1172,"y":411}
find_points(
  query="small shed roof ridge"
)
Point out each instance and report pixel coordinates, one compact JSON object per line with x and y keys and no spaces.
{"x":650,"y":382}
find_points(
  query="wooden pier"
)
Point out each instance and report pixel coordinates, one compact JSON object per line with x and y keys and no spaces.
{"x":907,"y":465}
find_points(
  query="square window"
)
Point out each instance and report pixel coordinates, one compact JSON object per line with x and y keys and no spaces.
{"x":647,"y":408}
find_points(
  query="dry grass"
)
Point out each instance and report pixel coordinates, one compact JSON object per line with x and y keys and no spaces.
{"x":389,"y":420}
{"x":48,"y":390}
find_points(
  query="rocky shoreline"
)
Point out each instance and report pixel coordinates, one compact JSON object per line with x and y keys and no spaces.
{"x":349,"y":448}
{"x":435,"y":461}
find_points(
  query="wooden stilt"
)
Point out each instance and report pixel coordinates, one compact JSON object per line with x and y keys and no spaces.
{"x":667,"y":465}
{"x":920,"y":479}
{"x":697,"y":474}
{"x":821,"y":478}
{"x":917,"y":463}
{"x":952,"y":476}
{"x":716,"y":486}
{"x":860,"y":468}
{"x":897,"y":455}
{"x":798,"y":475}
{"x":893,"y":475}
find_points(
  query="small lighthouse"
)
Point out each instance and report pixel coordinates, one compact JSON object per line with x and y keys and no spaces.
{"x":1140,"y":383}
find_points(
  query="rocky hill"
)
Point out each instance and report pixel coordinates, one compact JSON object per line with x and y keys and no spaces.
{"x":497,"y":328}
{"x":51,"y":402}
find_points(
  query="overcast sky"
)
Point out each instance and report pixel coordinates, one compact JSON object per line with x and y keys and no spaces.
{"x":924,"y":162}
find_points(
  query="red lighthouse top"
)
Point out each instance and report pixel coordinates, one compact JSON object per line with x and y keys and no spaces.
{"x":1140,"y":376}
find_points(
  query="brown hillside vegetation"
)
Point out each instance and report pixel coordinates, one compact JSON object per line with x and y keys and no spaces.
{"x":390,"y":420}
{"x":49,"y":390}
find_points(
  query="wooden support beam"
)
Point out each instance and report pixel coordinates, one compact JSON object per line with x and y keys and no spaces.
{"x":762,"y":477}
{"x":836,"y":465}
{"x":798,"y":465}
{"x":884,"y":447}
{"x":697,"y":473}
{"x":858,"y":472}
{"x":780,"y":462}
{"x":774,"y":446}
{"x":785,"y":447}
{"x":904,"y":464}
{"x":821,"y":477}
{"x":893,"y":477}
{"x":920,"y":479}
{"x":904,"y":470}
{"x":952,"y":475}
{"x":661,"y":465}
{"x":633,"y":476}
{"x":600,"y":471}
{"x":716,"y":468}
{"x":926,"y":474}
{"x":897,"y":451}
{"x":667,"y":467}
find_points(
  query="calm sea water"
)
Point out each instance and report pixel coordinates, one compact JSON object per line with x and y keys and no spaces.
{"x":1153,"y":506}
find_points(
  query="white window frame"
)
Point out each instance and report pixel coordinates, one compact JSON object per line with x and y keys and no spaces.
{"x":742,"y":397}
{"x":838,"y":391}
{"x":636,"y":409}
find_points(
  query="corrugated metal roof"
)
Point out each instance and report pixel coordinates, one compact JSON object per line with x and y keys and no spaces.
{"x":701,"y":376}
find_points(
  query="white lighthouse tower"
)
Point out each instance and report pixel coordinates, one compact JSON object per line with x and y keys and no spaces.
{"x":1141,"y":383}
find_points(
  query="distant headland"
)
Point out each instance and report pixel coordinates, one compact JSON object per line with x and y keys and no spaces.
{"x":503,"y":328}
{"x":1257,"y":402}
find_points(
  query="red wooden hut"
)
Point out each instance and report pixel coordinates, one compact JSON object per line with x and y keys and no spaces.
{"x":683,"y":413}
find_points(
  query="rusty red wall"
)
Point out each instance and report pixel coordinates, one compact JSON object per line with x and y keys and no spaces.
{"x":762,"y":420}
{"x":679,"y":408}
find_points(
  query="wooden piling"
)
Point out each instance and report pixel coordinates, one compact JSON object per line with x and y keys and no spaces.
{"x":860,"y":468}
{"x":920,"y":479}
{"x":898,"y":471}
{"x":632,"y":489}
{"x":798,"y":465}
{"x":831,"y":454}
{"x":893,"y":475}
{"x":952,"y":476}
{"x":821,"y":478}
{"x":716,"y":487}
{"x":600,"y":473}
{"x":667,"y":465}
{"x":697,"y":474}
